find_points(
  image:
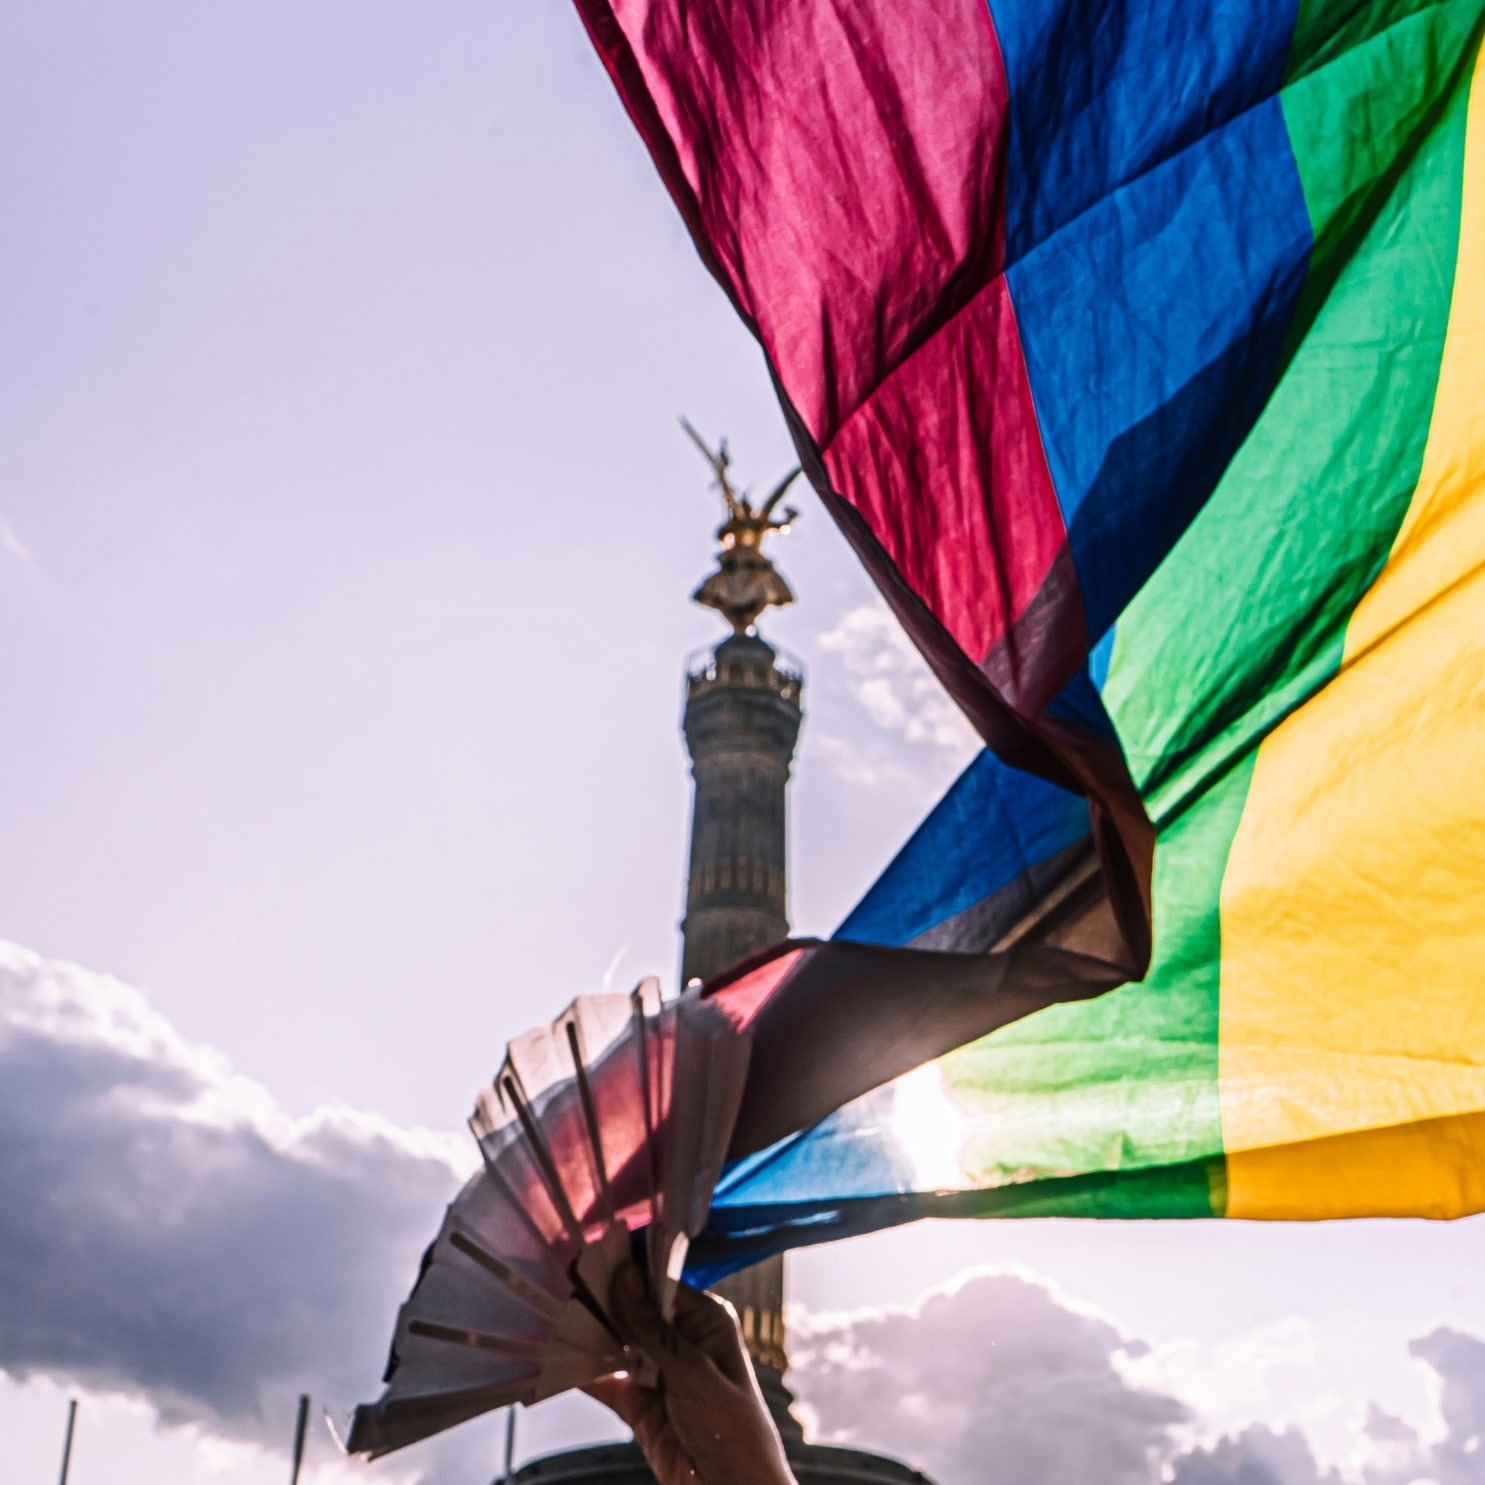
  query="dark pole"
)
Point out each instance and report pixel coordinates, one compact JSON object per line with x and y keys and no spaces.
{"x":67,"y":1443}
{"x":299,"y":1428}
{"x":510,"y":1446}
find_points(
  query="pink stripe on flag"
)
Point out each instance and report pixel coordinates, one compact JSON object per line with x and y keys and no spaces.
{"x":842,"y":172}
{"x":945,"y":463}
{"x":741,"y":998}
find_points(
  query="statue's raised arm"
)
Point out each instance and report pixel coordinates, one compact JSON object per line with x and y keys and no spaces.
{"x":774,"y":496}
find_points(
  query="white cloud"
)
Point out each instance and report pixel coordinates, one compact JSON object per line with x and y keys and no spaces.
{"x":11,"y":544}
{"x":1257,"y":1456}
{"x":1000,"y":1368}
{"x":168,"y":1234}
{"x":894,"y":727}
{"x":1269,"y":1372}
{"x":891,"y":682}
{"x":994,"y":1378}
{"x":1457,"y":1456}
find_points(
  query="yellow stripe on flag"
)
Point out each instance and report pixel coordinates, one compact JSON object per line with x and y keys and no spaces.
{"x":1352,"y":1040}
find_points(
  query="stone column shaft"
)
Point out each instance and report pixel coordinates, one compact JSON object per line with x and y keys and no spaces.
{"x":741,"y":723}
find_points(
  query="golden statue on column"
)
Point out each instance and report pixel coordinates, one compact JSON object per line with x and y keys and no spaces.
{"x":745,"y":582}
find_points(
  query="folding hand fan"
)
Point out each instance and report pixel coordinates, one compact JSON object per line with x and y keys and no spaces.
{"x":615,"y":1117}
{"x":604,"y":1134}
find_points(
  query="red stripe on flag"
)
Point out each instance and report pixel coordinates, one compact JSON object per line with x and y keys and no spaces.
{"x":945,"y":463}
{"x":841,"y":169}
{"x":842,"y":172}
{"x":742,"y":995}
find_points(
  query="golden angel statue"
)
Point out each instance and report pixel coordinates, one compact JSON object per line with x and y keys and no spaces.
{"x":745,"y":582}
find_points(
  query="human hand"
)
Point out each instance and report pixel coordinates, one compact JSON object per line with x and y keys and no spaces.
{"x":705,"y":1423}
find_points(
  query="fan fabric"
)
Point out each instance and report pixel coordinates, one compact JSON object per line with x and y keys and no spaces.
{"x":1139,"y":351}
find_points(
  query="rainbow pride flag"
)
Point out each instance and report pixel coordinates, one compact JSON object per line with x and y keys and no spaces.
{"x":1139,"y":351}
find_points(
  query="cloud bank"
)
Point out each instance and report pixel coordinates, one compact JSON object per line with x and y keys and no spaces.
{"x":996,"y":1379}
{"x":168,"y":1233}
{"x":1257,"y":1456}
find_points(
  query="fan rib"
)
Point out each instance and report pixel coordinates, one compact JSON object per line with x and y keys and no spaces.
{"x":519,"y":1285}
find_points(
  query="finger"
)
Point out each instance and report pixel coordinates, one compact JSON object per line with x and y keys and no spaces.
{"x":638,"y":1318}
{"x":618,"y":1394}
{"x":698,"y":1312}
{"x":709,"y":1323}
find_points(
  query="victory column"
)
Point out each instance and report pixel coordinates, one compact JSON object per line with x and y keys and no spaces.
{"x":741,"y":722}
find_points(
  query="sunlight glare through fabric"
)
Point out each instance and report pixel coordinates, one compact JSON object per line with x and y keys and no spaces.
{"x":930,"y":1128}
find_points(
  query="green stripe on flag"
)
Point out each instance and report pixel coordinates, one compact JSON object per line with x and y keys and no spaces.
{"x":1126,"y":1086}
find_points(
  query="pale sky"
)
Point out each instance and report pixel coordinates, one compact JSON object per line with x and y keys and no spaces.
{"x":346,"y":533}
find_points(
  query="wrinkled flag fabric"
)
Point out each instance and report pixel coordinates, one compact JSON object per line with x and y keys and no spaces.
{"x":1139,"y":351}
